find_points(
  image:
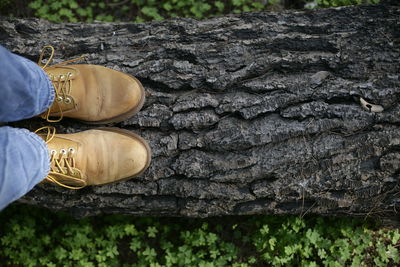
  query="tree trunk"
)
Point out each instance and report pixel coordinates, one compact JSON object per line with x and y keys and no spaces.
{"x":259,"y":113}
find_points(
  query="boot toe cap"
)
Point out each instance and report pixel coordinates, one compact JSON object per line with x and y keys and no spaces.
{"x":136,"y":159}
{"x":117,"y":155}
{"x":125,"y":95}
{"x":108,"y":95}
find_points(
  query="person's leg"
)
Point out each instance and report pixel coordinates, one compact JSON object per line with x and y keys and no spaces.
{"x":24,"y":162}
{"x":25,"y":89}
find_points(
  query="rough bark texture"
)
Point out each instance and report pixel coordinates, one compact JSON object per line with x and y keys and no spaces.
{"x":258,"y":113}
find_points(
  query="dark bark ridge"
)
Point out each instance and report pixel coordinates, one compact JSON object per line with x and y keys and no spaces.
{"x":257,"y":113}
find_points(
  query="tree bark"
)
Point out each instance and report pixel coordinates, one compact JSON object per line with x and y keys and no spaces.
{"x":258,"y":113}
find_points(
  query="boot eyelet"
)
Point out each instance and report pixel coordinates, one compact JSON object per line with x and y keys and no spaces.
{"x":63,"y":151}
{"x":53,"y":152}
{"x":62,"y":77}
{"x":71,"y":150}
{"x":67,"y":100}
{"x":59,"y":98}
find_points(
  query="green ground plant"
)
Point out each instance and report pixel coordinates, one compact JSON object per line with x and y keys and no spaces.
{"x":147,"y":10}
{"x":37,"y":237}
{"x":334,"y":3}
{"x":137,"y":10}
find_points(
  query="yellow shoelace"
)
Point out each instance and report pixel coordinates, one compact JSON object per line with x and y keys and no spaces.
{"x":62,"y":163}
{"x":62,"y":83}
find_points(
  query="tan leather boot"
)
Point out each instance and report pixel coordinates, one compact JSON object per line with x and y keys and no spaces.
{"x":95,"y":157}
{"x":91,"y":93}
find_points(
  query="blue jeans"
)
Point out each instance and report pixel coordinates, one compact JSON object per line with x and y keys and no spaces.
{"x":25,"y":91}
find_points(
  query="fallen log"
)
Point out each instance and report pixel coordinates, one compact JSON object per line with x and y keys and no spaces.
{"x":258,"y":113}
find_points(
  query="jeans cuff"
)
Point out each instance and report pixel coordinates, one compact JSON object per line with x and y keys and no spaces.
{"x":44,"y":149}
{"x":51,"y":92}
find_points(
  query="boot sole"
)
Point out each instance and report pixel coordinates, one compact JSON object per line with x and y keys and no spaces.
{"x":126,"y":115}
{"x":130,"y":134}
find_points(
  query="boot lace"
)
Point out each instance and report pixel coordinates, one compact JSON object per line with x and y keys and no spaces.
{"x":62,"y":83}
{"x":62,"y":163}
